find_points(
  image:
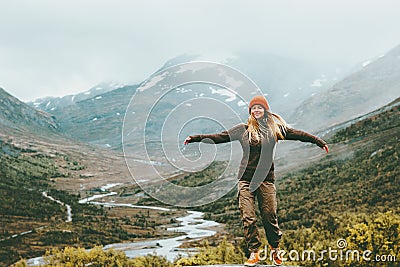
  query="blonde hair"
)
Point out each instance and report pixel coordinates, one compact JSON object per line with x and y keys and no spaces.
{"x":275,"y":125}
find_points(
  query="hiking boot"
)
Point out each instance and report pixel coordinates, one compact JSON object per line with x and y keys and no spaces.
{"x":253,"y":259}
{"x":276,"y":256}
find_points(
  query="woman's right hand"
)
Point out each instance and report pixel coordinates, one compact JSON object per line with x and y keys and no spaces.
{"x":326,"y":148}
{"x":187,"y":140}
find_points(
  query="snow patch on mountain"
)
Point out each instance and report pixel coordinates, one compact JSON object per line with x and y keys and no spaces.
{"x":241,"y":103}
{"x":223,"y":92}
{"x":366,"y":63}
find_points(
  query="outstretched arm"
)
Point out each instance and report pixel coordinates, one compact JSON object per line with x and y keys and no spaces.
{"x":223,"y":137}
{"x":208,"y":138}
{"x":293,"y":134}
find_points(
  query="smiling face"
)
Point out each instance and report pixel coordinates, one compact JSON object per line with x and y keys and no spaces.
{"x":257,"y":111}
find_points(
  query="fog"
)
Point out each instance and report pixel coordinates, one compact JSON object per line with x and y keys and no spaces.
{"x":64,"y":47}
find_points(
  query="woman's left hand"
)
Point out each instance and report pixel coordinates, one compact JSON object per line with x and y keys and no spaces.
{"x":326,"y":148}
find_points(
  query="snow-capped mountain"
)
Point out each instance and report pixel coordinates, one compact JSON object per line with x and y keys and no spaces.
{"x":97,"y":117}
{"x":51,"y":104}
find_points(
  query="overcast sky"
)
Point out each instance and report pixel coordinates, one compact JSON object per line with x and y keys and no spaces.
{"x":64,"y":47}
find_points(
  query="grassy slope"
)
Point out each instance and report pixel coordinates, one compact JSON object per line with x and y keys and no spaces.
{"x":24,"y":175}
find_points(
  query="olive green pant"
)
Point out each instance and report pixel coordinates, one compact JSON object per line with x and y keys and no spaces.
{"x":267,"y":204}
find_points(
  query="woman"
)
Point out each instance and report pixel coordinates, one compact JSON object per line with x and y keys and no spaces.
{"x":258,"y":138}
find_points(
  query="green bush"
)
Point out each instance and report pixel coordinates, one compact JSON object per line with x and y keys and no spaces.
{"x":223,"y":253}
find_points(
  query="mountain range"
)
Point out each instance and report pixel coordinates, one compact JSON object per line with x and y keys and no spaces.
{"x":96,"y":116}
{"x":308,"y":97}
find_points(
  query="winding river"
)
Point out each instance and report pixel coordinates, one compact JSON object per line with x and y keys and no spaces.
{"x":192,"y":226}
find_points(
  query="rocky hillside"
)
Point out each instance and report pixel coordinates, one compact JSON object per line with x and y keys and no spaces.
{"x":97,"y":120}
{"x":19,"y":116}
{"x":27,"y":129}
{"x":376,"y":84}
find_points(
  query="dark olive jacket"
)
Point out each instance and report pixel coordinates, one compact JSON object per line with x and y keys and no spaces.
{"x":252,"y":151}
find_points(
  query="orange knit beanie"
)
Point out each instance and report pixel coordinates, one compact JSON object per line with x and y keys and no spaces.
{"x":259,"y":100}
